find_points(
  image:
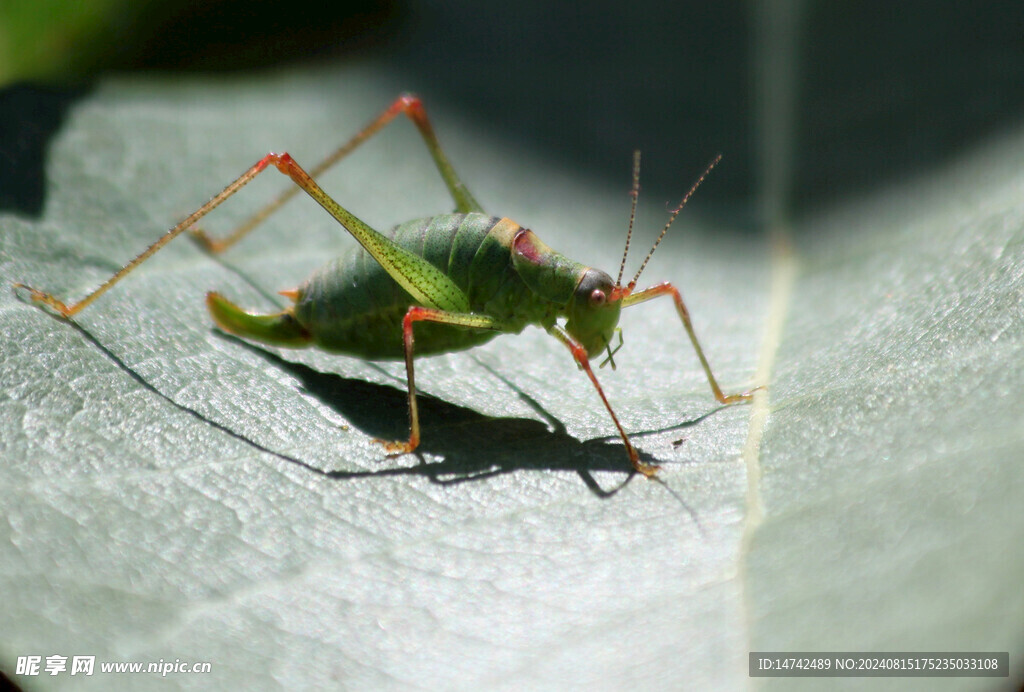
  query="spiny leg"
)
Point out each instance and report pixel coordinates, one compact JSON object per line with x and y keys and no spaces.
{"x":684,"y":314}
{"x":421,"y":314}
{"x":435,"y":288}
{"x":580,"y":354}
{"x":71,"y":310}
{"x":408,"y":104}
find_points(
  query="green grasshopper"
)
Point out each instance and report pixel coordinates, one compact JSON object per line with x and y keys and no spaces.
{"x":466,"y":277}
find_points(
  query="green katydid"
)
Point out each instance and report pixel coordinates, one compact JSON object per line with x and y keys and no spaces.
{"x":465,"y":277}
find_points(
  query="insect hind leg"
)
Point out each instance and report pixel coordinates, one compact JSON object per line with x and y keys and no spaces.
{"x":413,"y":108}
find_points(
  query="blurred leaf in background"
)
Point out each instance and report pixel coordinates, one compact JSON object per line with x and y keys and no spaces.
{"x":57,"y":39}
{"x":61,"y":41}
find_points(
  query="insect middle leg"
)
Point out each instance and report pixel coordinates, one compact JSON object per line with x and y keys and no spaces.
{"x":684,"y":314}
{"x":413,"y":108}
{"x":421,"y":314}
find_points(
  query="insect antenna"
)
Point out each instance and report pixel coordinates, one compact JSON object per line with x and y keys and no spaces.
{"x":635,"y":194}
{"x":675,"y":213}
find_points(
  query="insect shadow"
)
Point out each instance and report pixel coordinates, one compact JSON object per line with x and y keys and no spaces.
{"x":472,"y":446}
{"x":480,"y":446}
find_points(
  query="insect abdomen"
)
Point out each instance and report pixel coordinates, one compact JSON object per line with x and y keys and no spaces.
{"x":353,"y":306}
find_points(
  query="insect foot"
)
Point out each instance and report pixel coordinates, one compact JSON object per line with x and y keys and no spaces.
{"x":205,"y":241}
{"x":41,"y":299}
{"x":649,"y":470}
{"x":740,"y":398}
{"x":396,"y":448}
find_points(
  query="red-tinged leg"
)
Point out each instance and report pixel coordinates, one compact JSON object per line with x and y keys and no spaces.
{"x":281,"y":162}
{"x":408,"y":104}
{"x":580,"y":354}
{"x":421,"y":314}
{"x":684,"y":315}
{"x":47,"y":300}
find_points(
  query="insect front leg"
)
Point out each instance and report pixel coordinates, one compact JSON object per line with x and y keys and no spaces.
{"x":580,"y":354}
{"x":421,"y":314}
{"x":684,"y":314}
{"x":413,"y":108}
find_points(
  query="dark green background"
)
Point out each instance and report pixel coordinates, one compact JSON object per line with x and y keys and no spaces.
{"x":883,"y":90}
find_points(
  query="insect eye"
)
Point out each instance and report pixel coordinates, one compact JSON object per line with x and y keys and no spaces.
{"x":597,"y":297}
